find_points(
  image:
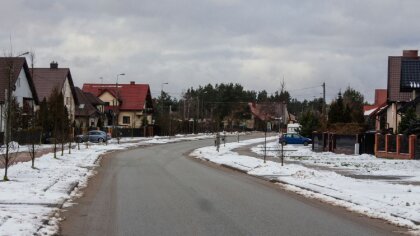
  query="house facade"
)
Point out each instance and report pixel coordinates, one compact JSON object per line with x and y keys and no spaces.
{"x":89,"y":112}
{"x":126,"y":105}
{"x":400,"y":72}
{"x":17,"y":72}
{"x":375,"y":114}
{"x":275,"y":113}
{"x":48,"y":79}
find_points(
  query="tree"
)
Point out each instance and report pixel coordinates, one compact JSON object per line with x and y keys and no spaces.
{"x":56,"y":111}
{"x":8,"y":151}
{"x":407,"y":120}
{"x":336,"y":110}
{"x":354,"y":100}
{"x":309,"y":122}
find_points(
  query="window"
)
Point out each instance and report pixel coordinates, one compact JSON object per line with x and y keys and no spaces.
{"x":28,"y":105}
{"x":126,"y":120}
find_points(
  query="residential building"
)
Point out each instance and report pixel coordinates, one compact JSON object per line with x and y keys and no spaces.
{"x":127,"y":105}
{"x":374,"y":114}
{"x":403,"y":79}
{"x":47,"y":79}
{"x":90,"y":110}
{"x":15,"y":70}
{"x":275,"y":113}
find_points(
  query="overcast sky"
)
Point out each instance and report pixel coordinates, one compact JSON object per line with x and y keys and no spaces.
{"x":195,"y":42}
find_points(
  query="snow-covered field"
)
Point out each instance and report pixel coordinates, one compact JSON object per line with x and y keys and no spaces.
{"x":30,"y":201}
{"x":387,"y":189}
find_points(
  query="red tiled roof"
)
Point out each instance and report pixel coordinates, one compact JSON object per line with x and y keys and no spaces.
{"x":132,"y":96}
{"x":17,"y":63}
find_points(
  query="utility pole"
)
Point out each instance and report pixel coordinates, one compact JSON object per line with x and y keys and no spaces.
{"x":198,"y":111}
{"x":324,"y":110}
{"x":170,"y":121}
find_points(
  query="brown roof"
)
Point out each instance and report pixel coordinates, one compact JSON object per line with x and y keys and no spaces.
{"x":87,"y":108}
{"x":14,"y":65}
{"x":46,"y":79}
{"x":269,"y":110}
{"x":92,"y":99}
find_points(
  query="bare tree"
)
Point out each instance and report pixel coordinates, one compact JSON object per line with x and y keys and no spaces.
{"x":9,"y":149}
{"x":34,"y":132}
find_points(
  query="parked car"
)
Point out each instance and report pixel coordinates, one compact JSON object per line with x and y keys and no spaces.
{"x":294,"y":139}
{"x":96,"y":136}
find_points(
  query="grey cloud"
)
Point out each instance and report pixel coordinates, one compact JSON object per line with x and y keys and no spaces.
{"x":191,"y":43}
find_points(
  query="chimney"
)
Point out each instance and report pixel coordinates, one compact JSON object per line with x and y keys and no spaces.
{"x":132,"y":83}
{"x":410,"y":53}
{"x":53,"y":65}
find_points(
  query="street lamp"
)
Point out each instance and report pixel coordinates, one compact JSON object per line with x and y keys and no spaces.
{"x":117,"y":104}
{"x":161,"y":99}
{"x":161,"y":89}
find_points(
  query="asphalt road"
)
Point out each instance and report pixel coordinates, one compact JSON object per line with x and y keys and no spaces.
{"x":158,"y":191}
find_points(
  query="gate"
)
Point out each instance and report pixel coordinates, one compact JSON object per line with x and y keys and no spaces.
{"x":417,"y":149}
{"x":367,"y":143}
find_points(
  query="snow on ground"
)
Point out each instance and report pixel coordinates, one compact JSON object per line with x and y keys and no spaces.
{"x":363,"y":184}
{"x":30,"y":202}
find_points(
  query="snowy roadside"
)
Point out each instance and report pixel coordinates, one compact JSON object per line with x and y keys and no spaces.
{"x":388,"y":195}
{"x":30,"y":202}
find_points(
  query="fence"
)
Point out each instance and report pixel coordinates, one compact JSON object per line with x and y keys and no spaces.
{"x":417,"y":156}
{"x":397,"y":146}
{"x":345,"y":144}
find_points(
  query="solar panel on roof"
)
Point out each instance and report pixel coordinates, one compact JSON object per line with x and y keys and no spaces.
{"x":410,"y":75}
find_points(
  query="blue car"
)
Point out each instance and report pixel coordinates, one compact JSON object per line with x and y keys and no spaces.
{"x":294,"y":139}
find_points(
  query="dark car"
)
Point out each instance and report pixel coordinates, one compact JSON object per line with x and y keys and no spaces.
{"x":294,"y":139}
{"x":95,"y":136}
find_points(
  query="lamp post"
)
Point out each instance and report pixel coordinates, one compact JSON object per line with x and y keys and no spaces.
{"x":117,"y":104}
{"x":161,"y":99}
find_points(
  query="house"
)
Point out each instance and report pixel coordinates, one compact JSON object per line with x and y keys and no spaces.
{"x":15,"y":70}
{"x":374,"y":114}
{"x":127,"y":105}
{"x":90,"y":111}
{"x":274,"y":112}
{"x":403,"y":79}
{"x":47,"y":79}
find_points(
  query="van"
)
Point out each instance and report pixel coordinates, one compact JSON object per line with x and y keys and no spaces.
{"x":293,"y":128}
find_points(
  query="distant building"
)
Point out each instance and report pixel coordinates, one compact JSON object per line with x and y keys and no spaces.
{"x":128,"y":105}
{"x":275,"y":113}
{"x":90,"y":110}
{"x":374,"y":114}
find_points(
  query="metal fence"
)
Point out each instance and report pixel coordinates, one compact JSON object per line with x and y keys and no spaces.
{"x":392,"y":143}
{"x":404,"y":144}
{"x":417,"y":155}
{"x":381,"y":142}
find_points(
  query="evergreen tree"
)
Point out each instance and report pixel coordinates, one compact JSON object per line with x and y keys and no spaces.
{"x":355,"y":101}
{"x":336,"y":113}
{"x":309,"y":122}
{"x":407,"y":119}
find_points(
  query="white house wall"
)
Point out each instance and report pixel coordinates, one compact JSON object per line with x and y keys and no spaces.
{"x":22,"y":88}
{"x":68,"y":99}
